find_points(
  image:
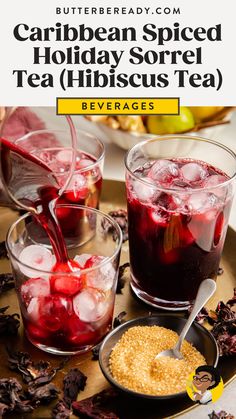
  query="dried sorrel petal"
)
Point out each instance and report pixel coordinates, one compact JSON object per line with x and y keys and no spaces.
{"x":220,"y":271}
{"x":118,"y":320}
{"x":3,"y":250}
{"x":9,"y":323}
{"x":32,"y":373}
{"x":224,"y":311}
{"x":223,"y":320}
{"x":73,"y":383}
{"x":120,"y":216}
{"x":95,"y":351}
{"x":3,"y":409}
{"x":6,"y":282}
{"x":43,"y":394}
{"x":220,"y":415}
{"x":232,"y":300}
{"x":202,"y":316}
{"x":11,"y":398}
{"x":61,"y":411}
{"x":97,"y":406}
{"x":121,"y":278}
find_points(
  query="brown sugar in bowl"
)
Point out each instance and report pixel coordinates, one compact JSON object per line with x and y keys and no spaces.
{"x":198,"y":336}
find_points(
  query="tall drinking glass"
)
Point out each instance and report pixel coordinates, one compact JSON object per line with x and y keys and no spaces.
{"x":179,"y":193}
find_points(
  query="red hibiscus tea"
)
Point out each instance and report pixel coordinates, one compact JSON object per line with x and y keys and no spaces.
{"x":66,"y":305}
{"x":178,"y":211}
{"x":66,"y":294}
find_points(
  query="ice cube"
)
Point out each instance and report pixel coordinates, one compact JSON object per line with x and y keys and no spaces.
{"x":202,"y":201}
{"x":83,"y":163}
{"x":35,"y":287}
{"x":78,"y":185}
{"x":64,"y":156}
{"x":163,"y":172}
{"x":54,"y":312}
{"x":193,"y":172}
{"x":38,"y":257}
{"x":64,"y":282}
{"x":214,"y":181}
{"x":102,"y":278}
{"x":90,"y":305}
{"x":159,"y":217}
{"x":33,"y":309}
{"x":143,"y":192}
{"x":82,"y":259}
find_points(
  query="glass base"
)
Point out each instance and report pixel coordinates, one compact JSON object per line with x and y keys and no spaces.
{"x":56,"y":351}
{"x":158,"y":302}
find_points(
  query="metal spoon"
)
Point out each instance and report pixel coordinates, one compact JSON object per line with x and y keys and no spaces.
{"x":205,"y":291}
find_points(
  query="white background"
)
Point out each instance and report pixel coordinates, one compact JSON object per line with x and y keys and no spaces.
{"x":19,"y":55}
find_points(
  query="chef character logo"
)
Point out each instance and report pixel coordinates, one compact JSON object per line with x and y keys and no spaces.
{"x":205,"y":385}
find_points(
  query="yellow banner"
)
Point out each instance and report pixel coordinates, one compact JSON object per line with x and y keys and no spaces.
{"x":117,"y":106}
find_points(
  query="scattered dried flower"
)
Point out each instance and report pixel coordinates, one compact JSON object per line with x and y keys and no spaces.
{"x":9,"y":323}
{"x":73,"y":383}
{"x":95,"y":351}
{"x":43,"y":394}
{"x":12,"y":398}
{"x":61,"y":411}
{"x":3,"y":250}
{"x":120,"y":216}
{"x":98,"y":406}
{"x":223,"y":320}
{"x":34,"y":374}
{"x":118,"y":320}
{"x":220,"y":415}
{"x":6,"y":282}
{"x":121,"y":278}
{"x":220,"y":271}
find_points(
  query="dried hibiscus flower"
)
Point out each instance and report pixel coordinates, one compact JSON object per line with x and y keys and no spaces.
{"x":3,"y":250}
{"x":121,"y":278}
{"x":43,"y":394}
{"x":98,"y":406}
{"x":220,"y":415}
{"x":6,"y":282}
{"x":11,"y":397}
{"x":35,"y":374}
{"x":73,"y":383}
{"x":120,"y":216}
{"x":220,"y":271}
{"x":223,"y":320}
{"x":118,"y":320}
{"x":61,"y":411}
{"x":9,"y":323}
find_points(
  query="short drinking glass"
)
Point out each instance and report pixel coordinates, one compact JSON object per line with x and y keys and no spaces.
{"x":67,"y":313}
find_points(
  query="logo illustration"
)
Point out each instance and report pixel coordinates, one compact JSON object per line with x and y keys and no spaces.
{"x":205,"y":385}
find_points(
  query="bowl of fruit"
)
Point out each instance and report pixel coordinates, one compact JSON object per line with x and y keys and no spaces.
{"x":127,"y":130}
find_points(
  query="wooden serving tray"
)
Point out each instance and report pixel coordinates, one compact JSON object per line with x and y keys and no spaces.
{"x":113,"y":197}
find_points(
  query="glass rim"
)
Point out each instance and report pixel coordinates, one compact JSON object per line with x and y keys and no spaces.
{"x":87,"y":270}
{"x":181,"y":137}
{"x":87,"y":134}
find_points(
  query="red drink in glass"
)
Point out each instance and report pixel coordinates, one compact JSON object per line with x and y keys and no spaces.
{"x":178,"y":211}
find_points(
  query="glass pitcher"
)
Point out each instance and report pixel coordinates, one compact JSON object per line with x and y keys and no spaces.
{"x":17,"y":174}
